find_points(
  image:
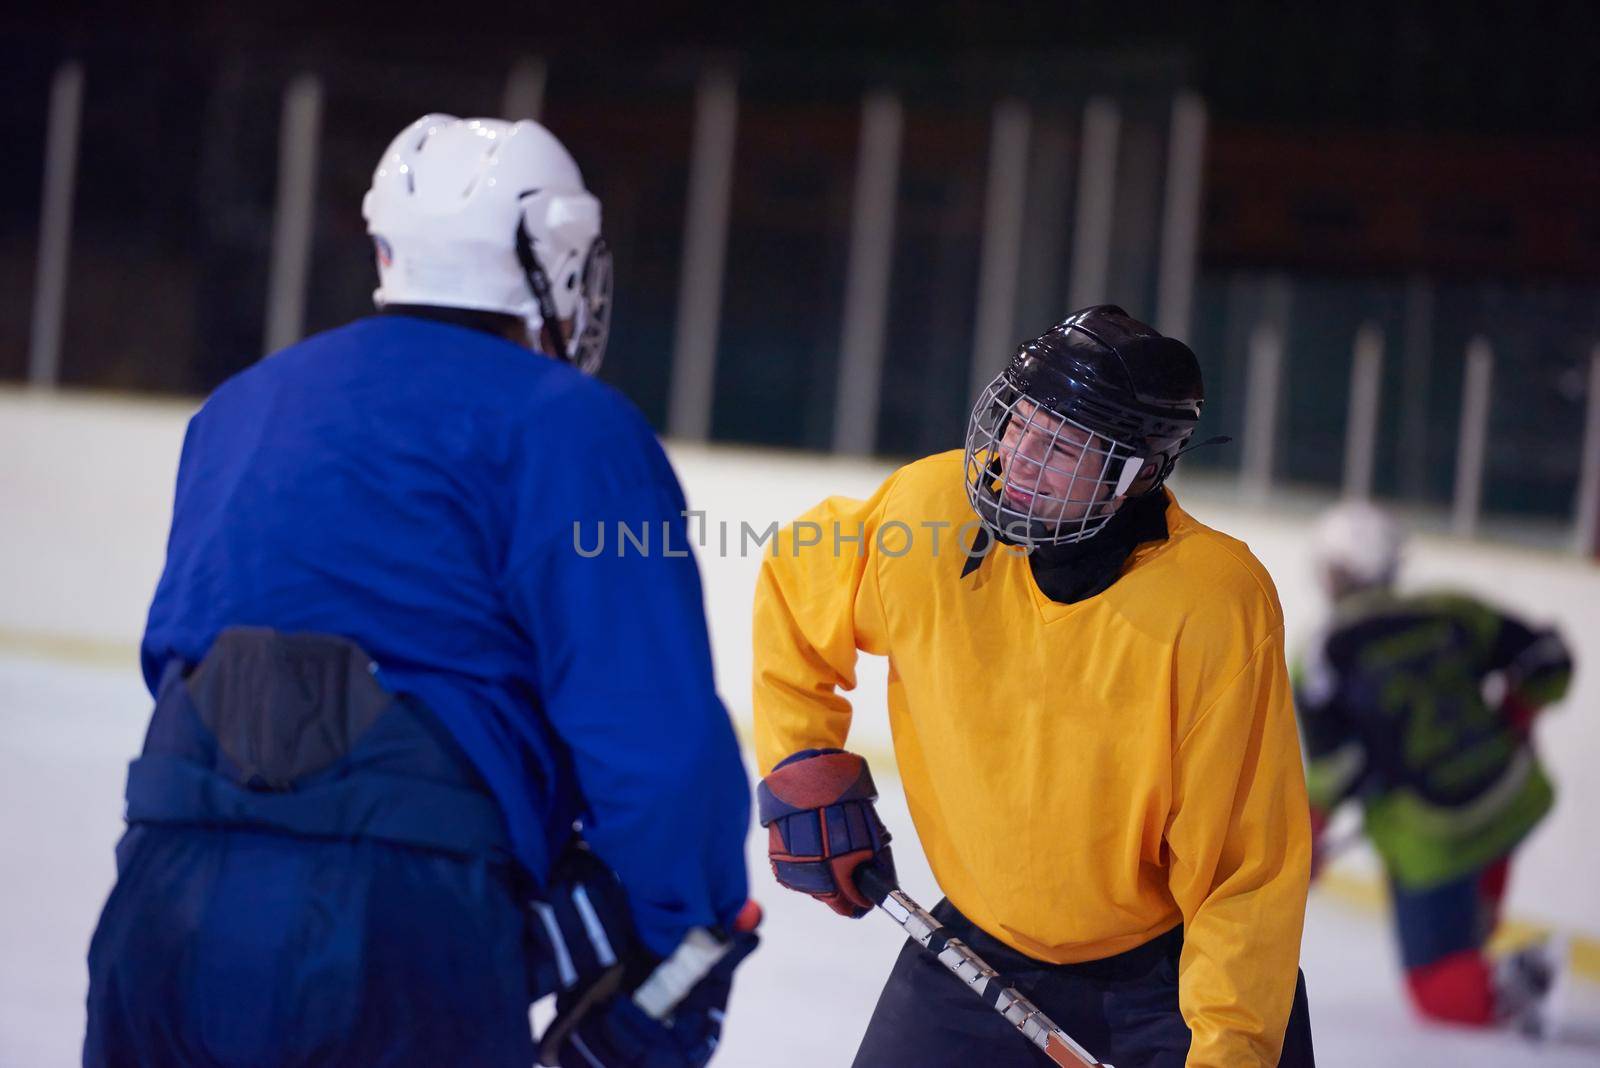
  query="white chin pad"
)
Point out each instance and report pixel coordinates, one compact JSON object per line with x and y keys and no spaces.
{"x":1130,"y":471}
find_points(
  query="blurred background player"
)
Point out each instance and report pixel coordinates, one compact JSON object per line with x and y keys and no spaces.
{"x":1422,"y":706}
{"x":1093,"y":723}
{"x":388,"y":687}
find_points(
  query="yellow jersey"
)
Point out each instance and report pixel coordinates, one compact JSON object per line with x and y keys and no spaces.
{"x":1083,"y":777}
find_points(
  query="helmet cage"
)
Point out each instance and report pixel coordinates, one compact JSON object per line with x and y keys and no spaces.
{"x":1016,"y":461}
{"x":591,"y":327}
{"x":585,"y":348}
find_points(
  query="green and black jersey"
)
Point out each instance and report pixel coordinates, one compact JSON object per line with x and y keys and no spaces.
{"x":1420,"y":706}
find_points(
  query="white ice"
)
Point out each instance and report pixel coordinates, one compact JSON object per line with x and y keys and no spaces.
{"x":67,"y":731}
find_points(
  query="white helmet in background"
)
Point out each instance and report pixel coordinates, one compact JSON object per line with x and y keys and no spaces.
{"x":492,"y":216}
{"x":1357,"y":546}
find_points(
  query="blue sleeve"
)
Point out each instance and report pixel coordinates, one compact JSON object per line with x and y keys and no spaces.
{"x":624,"y":663}
{"x":165,"y":618}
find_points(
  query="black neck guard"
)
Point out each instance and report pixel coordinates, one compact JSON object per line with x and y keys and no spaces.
{"x":1071,"y":573}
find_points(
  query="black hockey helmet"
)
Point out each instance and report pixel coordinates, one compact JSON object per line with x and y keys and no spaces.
{"x":1091,"y":412}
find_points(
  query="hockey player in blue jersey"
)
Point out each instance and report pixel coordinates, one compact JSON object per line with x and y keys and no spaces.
{"x":388,"y":688}
{"x":1422,"y":706}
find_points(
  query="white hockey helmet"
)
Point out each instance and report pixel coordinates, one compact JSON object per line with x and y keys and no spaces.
{"x":492,"y":215}
{"x":1359,"y":543}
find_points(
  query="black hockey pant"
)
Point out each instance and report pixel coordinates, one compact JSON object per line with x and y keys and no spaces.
{"x":1122,"y":1009}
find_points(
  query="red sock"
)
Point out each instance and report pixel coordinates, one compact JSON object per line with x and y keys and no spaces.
{"x":1456,"y":989}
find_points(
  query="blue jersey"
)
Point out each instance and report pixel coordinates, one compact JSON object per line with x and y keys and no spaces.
{"x":425,"y":489}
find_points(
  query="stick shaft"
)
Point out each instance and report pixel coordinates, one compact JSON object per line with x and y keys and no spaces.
{"x":972,"y":970}
{"x":674,"y":977}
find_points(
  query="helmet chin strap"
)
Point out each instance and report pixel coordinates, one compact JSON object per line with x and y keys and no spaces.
{"x":549,"y":338}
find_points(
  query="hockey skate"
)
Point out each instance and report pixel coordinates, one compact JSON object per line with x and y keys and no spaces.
{"x":1529,"y":983}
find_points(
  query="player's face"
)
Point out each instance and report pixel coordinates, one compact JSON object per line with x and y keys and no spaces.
{"x":1053,"y":470}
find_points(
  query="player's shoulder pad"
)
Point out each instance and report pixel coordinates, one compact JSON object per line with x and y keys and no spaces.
{"x":582,"y":440}
{"x":584,"y":410}
{"x":918,"y":493}
{"x":1448,"y":602}
{"x":1223,"y":568}
{"x":931,"y":486}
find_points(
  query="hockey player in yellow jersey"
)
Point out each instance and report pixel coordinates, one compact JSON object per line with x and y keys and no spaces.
{"x":1091,"y":716}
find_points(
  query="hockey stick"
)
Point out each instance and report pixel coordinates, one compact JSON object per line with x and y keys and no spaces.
{"x":700,"y":951}
{"x":971,"y":969}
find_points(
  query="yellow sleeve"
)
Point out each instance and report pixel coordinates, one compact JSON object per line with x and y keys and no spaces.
{"x":816,"y":603}
{"x":1240,"y":844}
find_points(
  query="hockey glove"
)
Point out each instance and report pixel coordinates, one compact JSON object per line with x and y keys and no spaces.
{"x":821,"y":826}
{"x":582,"y":931}
{"x":672,"y":1019}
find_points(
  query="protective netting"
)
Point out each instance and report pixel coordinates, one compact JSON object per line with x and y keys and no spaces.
{"x":1036,"y":477}
{"x":592,"y":325}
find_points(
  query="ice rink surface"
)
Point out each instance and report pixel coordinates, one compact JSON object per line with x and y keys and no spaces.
{"x":67,"y":731}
